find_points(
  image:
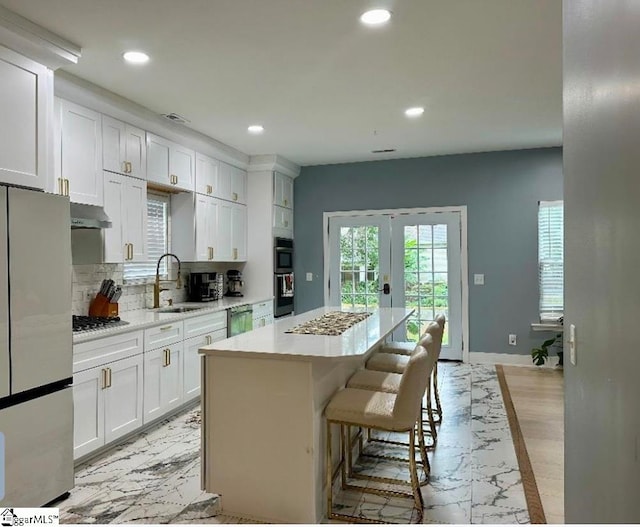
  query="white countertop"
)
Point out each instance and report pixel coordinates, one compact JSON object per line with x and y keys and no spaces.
{"x":272,"y":341}
{"x":146,"y":318}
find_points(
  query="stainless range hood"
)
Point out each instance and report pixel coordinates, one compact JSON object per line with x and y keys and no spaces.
{"x":88,"y":217}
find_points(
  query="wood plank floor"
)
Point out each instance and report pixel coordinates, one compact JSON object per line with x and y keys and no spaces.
{"x":538,"y":398}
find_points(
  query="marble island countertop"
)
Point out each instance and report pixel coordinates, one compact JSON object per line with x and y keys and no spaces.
{"x":273,"y":341}
{"x":146,"y":318}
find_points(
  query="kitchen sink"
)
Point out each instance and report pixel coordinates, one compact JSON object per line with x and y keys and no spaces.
{"x":182,"y":309}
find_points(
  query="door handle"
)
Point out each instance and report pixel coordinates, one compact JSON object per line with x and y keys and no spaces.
{"x":386,"y":289}
{"x":103,"y":373}
{"x":61,"y":186}
{"x":109,"y":377}
{"x":66,"y":187}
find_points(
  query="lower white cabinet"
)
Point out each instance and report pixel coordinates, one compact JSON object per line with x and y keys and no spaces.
{"x":107,"y":403}
{"x":163,"y":380}
{"x":262,"y":314}
{"x":192,"y":360}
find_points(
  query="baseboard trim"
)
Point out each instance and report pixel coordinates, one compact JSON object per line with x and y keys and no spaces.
{"x":479,"y":357}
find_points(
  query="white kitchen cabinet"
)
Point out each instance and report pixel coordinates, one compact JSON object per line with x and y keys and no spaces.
{"x":79,"y":174}
{"x":209,"y":323}
{"x":123,"y":397}
{"x":232,"y":232}
{"x":282,"y":222}
{"x":207,"y":175}
{"x":192,"y":360}
{"x":125,"y":202}
{"x":124,"y":148}
{"x":239,"y":233}
{"x":107,"y":403}
{"x":163,"y":380}
{"x":282,"y":190}
{"x":164,"y":335}
{"x":26,"y":95}
{"x":170,"y":164}
{"x":107,"y":390}
{"x":262,"y":314}
{"x":194,"y":220}
{"x":232,"y":183}
{"x":88,"y":411}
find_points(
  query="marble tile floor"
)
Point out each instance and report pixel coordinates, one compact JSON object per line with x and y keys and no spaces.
{"x":155,"y":477}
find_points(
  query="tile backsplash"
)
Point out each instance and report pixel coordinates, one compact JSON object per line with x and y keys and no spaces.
{"x":87,"y":279}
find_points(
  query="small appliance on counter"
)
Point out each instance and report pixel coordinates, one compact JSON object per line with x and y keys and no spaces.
{"x":203,"y":287}
{"x":234,"y":283}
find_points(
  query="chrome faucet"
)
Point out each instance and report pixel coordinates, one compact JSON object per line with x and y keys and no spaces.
{"x":156,"y":285}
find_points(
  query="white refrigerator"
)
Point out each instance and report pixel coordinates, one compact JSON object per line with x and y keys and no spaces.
{"x":36,"y":405}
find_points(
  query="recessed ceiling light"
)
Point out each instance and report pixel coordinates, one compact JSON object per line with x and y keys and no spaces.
{"x":414,"y":112}
{"x":375,"y":17}
{"x":256,"y":129}
{"x":136,"y":57}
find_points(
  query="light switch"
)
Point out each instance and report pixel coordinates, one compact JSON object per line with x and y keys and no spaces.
{"x":309,"y":277}
{"x":572,"y":344}
{"x":478,"y":279}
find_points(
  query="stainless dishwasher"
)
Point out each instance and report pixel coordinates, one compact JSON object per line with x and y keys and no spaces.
{"x":239,"y":320}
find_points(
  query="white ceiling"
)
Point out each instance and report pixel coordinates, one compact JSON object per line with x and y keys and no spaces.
{"x":326,"y":88}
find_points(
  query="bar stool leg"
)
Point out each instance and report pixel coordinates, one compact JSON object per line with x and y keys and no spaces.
{"x":343,"y":453}
{"x":436,"y":393}
{"x":426,"y":466}
{"x":415,"y":487}
{"x":430,"y":418}
{"x":329,"y":474}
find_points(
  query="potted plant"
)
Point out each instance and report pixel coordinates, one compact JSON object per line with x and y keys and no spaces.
{"x":541,"y":354}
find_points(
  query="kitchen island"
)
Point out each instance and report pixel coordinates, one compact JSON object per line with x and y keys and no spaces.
{"x":264,"y":393}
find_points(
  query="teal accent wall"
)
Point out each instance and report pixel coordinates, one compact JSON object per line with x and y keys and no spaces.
{"x":501,"y":191}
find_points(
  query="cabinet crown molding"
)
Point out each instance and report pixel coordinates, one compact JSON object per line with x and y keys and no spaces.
{"x":36,"y":42}
{"x":273,"y":162}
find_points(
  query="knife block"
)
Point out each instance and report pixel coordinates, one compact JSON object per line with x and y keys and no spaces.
{"x":101,"y":307}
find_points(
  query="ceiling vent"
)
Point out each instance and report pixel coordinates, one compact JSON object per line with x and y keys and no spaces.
{"x":176,"y":118}
{"x":383,"y":151}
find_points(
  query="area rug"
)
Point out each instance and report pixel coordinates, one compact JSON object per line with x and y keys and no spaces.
{"x":534,"y":504}
{"x":333,"y":323}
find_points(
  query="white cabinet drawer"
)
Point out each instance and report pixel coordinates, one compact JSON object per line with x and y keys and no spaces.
{"x":262,"y":309}
{"x":202,"y":324}
{"x":98,"y":352}
{"x":163,"y":335}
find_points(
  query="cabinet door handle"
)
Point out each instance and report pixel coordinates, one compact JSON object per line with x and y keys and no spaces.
{"x":168,"y":357}
{"x":109,"y":377}
{"x":60,"y":186}
{"x":165,"y":328}
{"x":285,"y":202}
{"x":208,"y":339}
{"x":131,"y":249}
{"x":130,"y":167}
{"x":209,"y":189}
{"x":235,"y":254}
{"x":286,"y":223}
{"x":103,"y":374}
{"x":235,"y":196}
{"x":66,"y":187}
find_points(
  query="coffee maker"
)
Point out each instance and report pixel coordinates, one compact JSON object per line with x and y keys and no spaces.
{"x":203,"y":287}
{"x":234,"y":283}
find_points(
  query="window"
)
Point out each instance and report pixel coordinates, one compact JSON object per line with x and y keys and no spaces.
{"x":551,"y":259}
{"x":157,"y":240}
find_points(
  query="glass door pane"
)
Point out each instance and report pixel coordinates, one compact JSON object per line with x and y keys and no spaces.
{"x":359,"y":262}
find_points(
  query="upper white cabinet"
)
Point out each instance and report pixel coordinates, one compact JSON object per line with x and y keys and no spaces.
{"x":282,"y":190}
{"x":282,"y":222}
{"x":207,"y":175}
{"x":26,"y":95}
{"x":125,"y":202}
{"x":232,"y":183}
{"x":170,"y":164}
{"x":79,"y":173}
{"x":124,"y":148}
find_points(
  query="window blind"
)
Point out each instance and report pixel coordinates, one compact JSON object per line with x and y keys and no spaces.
{"x":551,"y":259}
{"x":157,"y":241}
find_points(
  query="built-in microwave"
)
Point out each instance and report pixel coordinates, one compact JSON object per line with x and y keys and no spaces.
{"x":283,"y":255}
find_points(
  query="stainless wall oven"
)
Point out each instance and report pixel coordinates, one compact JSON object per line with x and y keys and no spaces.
{"x":283,"y":256}
{"x":283,"y":279}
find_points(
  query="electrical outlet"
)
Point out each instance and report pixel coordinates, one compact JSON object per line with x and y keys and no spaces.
{"x":478,"y":279}
{"x":513,"y":339}
{"x":309,"y":277}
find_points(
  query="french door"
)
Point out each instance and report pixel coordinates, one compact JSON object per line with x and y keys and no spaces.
{"x":395,"y":259}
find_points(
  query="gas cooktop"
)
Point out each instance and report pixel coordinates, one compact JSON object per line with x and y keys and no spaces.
{"x":81,"y":323}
